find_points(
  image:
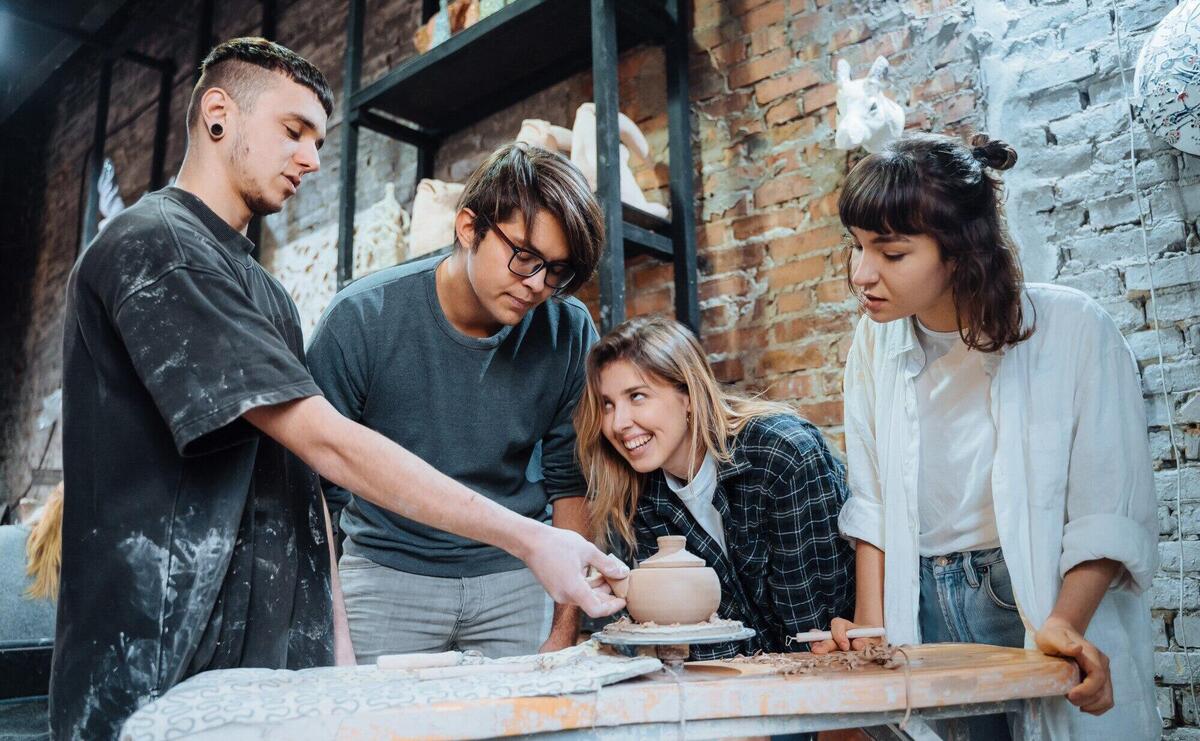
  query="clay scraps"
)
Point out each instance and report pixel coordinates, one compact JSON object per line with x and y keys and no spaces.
{"x":880,"y":655}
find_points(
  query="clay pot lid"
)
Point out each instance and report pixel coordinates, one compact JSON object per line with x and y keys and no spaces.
{"x":672,"y":554}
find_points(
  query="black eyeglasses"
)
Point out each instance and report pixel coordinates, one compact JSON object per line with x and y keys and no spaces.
{"x":527,"y":264}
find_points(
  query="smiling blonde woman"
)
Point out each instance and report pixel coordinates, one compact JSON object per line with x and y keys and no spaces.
{"x":752,"y":486}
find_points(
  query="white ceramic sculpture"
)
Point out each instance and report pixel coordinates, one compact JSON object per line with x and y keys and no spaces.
{"x":583,"y":154}
{"x":111,"y":203}
{"x":546,"y":135}
{"x":866,"y":117}
{"x":379,"y":234}
{"x":1167,"y":82}
{"x":434,"y":209}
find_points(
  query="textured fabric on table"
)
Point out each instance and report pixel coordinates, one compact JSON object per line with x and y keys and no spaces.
{"x":237,"y":704}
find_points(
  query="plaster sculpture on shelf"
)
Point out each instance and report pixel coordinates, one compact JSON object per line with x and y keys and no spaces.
{"x":111,"y":203}
{"x":546,"y":135}
{"x":583,"y":154}
{"x":487,"y":7}
{"x":1166,"y":85}
{"x":453,"y":17}
{"x":380,"y":234}
{"x":866,"y":117}
{"x":434,"y":208}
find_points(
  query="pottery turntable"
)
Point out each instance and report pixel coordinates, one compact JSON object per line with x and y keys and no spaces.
{"x":672,"y":598}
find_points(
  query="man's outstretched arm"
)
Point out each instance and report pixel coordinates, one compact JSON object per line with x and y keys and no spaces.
{"x":380,"y":471}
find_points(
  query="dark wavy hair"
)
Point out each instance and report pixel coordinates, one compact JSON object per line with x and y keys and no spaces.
{"x":241,"y":68}
{"x":525,"y":178}
{"x":939,"y":186}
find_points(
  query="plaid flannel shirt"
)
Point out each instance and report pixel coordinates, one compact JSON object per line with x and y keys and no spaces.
{"x":787,"y":569}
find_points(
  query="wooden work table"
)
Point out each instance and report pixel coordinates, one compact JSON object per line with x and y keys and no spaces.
{"x":944,"y":680}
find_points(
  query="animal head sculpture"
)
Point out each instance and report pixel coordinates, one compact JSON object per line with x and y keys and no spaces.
{"x":866,"y":117}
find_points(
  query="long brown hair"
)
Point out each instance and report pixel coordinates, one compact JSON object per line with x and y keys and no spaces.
{"x":668,"y":351}
{"x":937,"y":185}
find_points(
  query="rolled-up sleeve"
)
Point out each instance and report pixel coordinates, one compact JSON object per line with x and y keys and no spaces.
{"x":861,"y":517}
{"x":1110,"y":488}
{"x":560,"y":465}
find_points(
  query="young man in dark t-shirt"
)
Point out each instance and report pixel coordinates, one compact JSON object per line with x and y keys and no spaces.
{"x":195,"y":536}
{"x":474,"y":362}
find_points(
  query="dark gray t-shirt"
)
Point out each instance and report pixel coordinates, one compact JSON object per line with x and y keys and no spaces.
{"x":492,"y":413}
{"x":191,"y":541}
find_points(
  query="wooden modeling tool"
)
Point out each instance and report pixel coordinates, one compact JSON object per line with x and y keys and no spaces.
{"x":823,"y":635}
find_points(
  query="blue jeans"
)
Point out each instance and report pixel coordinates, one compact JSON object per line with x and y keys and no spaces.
{"x":968,"y":598}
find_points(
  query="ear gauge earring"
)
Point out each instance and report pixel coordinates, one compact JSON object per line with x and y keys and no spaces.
{"x":217,"y":130}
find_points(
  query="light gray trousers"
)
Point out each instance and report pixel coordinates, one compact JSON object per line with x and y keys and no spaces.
{"x":394,"y":612}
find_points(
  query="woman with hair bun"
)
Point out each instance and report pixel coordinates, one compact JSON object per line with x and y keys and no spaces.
{"x":996,"y":443}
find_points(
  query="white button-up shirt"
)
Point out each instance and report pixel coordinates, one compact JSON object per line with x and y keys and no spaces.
{"x":1071,"y":482}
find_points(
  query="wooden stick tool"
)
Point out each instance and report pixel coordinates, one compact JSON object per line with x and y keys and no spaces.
{"x":824,"y":635}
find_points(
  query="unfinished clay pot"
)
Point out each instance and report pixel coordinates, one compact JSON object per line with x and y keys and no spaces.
{"x":672,"y":586}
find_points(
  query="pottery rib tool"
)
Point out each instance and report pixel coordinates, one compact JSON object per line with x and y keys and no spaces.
{"x":407,"y":662}
{"x":468,"y":670}
{"x":824,"y":635}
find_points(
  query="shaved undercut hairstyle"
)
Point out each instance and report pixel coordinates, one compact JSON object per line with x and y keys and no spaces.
{"x":244,"y":67}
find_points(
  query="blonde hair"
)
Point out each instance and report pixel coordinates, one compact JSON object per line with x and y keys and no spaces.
{"x":667,"y":350}
{"x":43,"y":550}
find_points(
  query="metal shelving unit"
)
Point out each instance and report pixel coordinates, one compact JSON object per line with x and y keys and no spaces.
{"x":507,"y":56}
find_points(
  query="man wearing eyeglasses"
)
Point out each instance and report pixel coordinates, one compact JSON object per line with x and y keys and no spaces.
{"x":474,"y":362}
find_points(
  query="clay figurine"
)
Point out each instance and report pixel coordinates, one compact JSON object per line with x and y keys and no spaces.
{"x":866,"y":117}
{"x":672,"y":586}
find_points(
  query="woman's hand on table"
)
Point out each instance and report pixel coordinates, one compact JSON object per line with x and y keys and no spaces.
{"x":1094,"y":694}
{"x":842,"y":642}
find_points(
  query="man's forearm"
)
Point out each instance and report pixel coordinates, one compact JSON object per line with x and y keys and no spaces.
{"x":335,"y":448}
{"x":569,"y":513}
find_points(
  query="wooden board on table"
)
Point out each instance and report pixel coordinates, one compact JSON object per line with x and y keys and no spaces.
{"x":940,"y":675}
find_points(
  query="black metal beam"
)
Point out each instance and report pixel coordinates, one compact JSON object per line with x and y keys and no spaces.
{"x":408,"y":134}
{"x":162,"y":127}
{"x":642,"y":241}
{"x":204,"y":32}
{"x":254,"y":229}
{"x":86,"y":38}
{"x":608,"y":164}
{"x":91,"y":208}
{"x":679,"y":145}
{"x":350,"y":124}
{"x":270,"y":18}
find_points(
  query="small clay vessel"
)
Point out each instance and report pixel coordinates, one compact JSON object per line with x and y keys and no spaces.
{"x":672,"y":586}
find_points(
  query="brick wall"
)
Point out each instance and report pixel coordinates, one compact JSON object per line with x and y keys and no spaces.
{"x":776,"y":312}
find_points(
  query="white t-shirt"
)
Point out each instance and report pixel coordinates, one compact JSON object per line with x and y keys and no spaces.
{"x":697,"y":496}
{"x":958,"y":443}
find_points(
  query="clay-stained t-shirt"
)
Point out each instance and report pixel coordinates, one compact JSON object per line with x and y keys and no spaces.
{"x":191,"y":541}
